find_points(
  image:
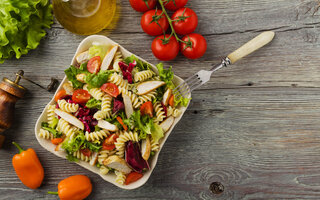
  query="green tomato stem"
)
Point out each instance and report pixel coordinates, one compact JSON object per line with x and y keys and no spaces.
{"x":173,"y":32}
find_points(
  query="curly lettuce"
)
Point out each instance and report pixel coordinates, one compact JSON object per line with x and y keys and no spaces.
{"x":22,"y":25}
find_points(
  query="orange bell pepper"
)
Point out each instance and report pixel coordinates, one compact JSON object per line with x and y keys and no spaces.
{"x":28,"y":167}
{"x":76,"y":187}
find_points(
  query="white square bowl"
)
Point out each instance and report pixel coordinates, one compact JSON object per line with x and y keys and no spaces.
{"x":83,"y":46}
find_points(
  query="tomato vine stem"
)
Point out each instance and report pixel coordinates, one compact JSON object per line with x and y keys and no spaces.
{"x":173,"y":32}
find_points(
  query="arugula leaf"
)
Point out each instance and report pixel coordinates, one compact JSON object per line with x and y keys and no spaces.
{"x":140,"y":64}
{"x":91,"y":146}
{"x":94,"y":103}
{"x":71,"y":74}
{"x":55,"y":133}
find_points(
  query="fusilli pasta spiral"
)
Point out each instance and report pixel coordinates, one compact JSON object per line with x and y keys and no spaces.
{"x":148,"y":97}
{"x":124,"y":137}
{"x":105,"y":111}
{"x":121,"y":177}
{"x":143,"y":75}
{"x":169,"y":111}
{"x":51,"y":114}
{"x":97,"y":135}
{"x":68,"y":107}
{"x":104,"y":154}
{"x":101,"y":115}
{"x":96,"y":93}
{"x":118,"y":80}
{"x":133,"y":97}
{"x":80,"y":156}
{"x":160,"y":114}
{"x":104,"y":170}
{"x":154,"y":145}
{"x":45,"y":134}
{"x":176,"y":113}
{"x":116,"y":60}
{"x":64,"y":127}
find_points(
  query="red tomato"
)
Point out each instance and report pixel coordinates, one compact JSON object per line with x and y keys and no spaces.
{"x":133,"y":177}
{"x":174,"y":5}
{"x":111,"y":89}
{"x":143,"y":5}
{"x":187,"y":21}
{"x":56,"y":141}
{"x":197,"y":48}
{"x":86,"y":152}
{"x":60,"y":94}
{"x":151,"y":27}
{"x":147,"y":109}
{"x":94,"y":65}
{"x":81,"y":96}
{"x":166,"y":51}
{"x":171,"y":101}
{"x":108,"y":143}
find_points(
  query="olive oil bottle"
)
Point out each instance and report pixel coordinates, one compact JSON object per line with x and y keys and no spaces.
{"x":84,"y":17}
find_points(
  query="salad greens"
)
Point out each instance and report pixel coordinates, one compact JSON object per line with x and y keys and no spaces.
{"x":97,"y":50}
{"x":140,"y":64}
{"x":55,"y":133}
{"x":94,"y":103}
{"x":22,"y":25}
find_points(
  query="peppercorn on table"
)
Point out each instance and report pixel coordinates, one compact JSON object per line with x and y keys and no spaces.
{"x":251,"y":132}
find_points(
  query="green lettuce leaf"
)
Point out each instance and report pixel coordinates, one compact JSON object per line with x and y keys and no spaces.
{"x":98,"y":50}
{"x":71,"y":74}
{"x":140,"y":64}
{"x":22,"y":26}
{"x":97,"y":80}
{"x":94,"y":103}
{"x":166,"y":75}
{"x":55,"y":133}
{"x":156,"y":132}
{"x":181,"y":101}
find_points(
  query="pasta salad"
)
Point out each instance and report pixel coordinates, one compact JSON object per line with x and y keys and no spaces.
{"x":112,"y":112}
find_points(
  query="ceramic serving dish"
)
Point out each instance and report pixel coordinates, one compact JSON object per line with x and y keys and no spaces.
{"x":83,"y":46}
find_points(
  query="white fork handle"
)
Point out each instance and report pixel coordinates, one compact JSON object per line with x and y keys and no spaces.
{"x":251,"y":46}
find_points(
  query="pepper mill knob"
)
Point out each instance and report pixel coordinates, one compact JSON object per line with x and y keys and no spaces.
{"x":10,"y":92}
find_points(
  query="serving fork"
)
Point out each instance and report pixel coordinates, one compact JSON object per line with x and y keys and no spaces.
{"x":203,"y":76}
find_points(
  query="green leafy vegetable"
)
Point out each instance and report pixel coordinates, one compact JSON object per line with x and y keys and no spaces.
{"x":71,"y":158}
{"x":156,"y":132}
{"x":74,"y":144}
{"x":181,"y":101}
{"x":98,"y":50}
{"x":94,"y":103}
{"x":166,"y":75}
{"x":71,"y":74}
{"x":140,"y":64}
{"x":91,"y":146}
{"x":55,"y":133}
{"x":54,"y":123}
{"x":22,"y":25}
{"x":97,"y":80}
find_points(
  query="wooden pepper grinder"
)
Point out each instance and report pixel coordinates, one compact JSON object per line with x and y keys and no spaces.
{"x":10,"y":92}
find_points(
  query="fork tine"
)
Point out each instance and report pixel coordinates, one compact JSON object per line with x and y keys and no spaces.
{"x":188,"y":89}
{"x":185,"y":86}
{"x":186,"y":81}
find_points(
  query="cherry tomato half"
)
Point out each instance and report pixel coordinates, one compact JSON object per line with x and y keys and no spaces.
{"x":81,"y":96}
{"x":111,"y":89}
{"x":165,"y":51}
{"x":187,"y":21}
{"x":94,"y":65}
{"x":86,"y":152}
{"x":108,"y":143}
{"x":59,"y":95}
{"x":198,"y":48}
{"x":151,"y":27}
{"x":147,"y":109}
{"x":175,"y":4}
{"x":143,"y":5}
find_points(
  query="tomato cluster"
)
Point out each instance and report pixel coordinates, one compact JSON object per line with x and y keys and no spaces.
{"x":183,"y":21}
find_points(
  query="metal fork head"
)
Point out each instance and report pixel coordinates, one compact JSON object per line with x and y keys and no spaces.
{"x":186,"y":87}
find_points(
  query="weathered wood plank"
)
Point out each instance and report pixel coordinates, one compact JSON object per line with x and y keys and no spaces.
{"x":254,"y":127}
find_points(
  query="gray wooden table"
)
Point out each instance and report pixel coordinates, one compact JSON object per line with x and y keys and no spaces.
{"x":254,"y":127}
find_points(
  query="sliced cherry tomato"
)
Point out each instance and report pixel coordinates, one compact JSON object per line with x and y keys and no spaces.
{"x":94,"y":65}
{"x":143,"y":5}
{"x":60,"y":94}
{"x":56,"y":141}
{"x":147,"y":109}
{"x":175,"y":4}
{"x":171,"y":101}
{"x":133,"y":177}
{"x":108,"y":143}
{"x":125,"y":127}
{"x":111,"y":89}
{"x":196,"y":49}
{"x":186,"y":21}
{"x":165,"y":49}
{"x":81,"y":96}
{"x":154,"y":22}
{"x":86,"y":152}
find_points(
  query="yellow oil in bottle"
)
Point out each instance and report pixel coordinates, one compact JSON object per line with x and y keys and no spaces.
{"x":84,"y":17}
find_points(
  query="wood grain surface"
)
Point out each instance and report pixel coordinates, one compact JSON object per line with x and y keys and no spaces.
{"x":254,"y":127}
